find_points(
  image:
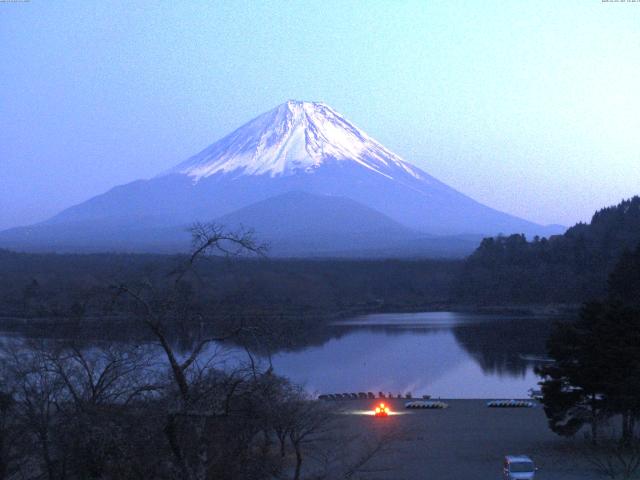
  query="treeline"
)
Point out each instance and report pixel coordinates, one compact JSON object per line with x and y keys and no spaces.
{"x":505,"y":270}
{"x":66,"y":285}
{"x":569,"y":268}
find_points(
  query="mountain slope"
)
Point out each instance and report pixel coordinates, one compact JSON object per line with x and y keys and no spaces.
{"x":302,"y":214}
{"x":298,"y":223}
{"x":296,"y":147}
{"x":294,"y":224}
{"x":295,"y":137}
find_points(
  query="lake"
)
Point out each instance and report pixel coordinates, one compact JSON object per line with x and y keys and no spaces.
{"x":442,"y":354}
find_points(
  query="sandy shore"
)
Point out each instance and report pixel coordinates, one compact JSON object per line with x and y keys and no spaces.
{"x":468,"y":440}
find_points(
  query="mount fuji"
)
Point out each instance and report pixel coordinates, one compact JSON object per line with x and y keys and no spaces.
{"x":304,"y":177}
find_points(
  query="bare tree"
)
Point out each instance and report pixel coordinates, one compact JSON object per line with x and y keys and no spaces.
{"x":173,"y":307}
{"x":37,"y":393}
{"x":169,"y":411}
{"x":106,"y":375}
{"x":159,"y":312}
{"x":308,"y":420}
{"x":10,"y":436}
{"x":72,"y":403}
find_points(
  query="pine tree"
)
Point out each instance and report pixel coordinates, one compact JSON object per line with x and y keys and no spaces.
{"x":596,"y":372}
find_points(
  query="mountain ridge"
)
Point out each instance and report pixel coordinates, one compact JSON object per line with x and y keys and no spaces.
{"x":295,"y":147}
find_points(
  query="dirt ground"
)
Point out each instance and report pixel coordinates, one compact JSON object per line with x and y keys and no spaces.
{"x":466,"y":441}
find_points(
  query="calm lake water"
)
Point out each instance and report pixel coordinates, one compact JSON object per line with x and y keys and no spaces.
{"x":443,"y":354}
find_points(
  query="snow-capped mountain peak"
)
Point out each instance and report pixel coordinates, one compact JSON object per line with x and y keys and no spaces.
{"x":302,"y":175}
{"x":294,"y":138}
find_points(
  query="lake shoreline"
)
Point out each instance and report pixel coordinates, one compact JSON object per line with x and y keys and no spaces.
{"x":532,"y":310}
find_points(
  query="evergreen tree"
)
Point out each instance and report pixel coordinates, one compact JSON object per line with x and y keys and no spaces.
{"x":596,"y":372}
{"x":569,"y":268}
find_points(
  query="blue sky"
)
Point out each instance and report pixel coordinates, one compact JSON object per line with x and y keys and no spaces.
{"x":529,"y":107}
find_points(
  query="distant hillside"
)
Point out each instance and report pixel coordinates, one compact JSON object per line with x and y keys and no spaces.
{"x":569,"y":268}
{"x":64,"y":285}
{"x":297,"y":223}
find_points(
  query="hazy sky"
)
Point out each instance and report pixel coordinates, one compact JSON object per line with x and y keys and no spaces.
{"x":529,"y":107}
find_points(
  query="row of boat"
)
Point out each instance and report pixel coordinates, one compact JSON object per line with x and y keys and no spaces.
{"x":424,"y":403}
{"x":366,"y":395}
{"x":437,"y":404}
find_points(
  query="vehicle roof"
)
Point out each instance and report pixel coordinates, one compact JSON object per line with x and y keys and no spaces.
{"x":517,"y":458}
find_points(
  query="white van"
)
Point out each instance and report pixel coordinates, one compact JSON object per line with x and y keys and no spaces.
{"x":518,"y":467}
